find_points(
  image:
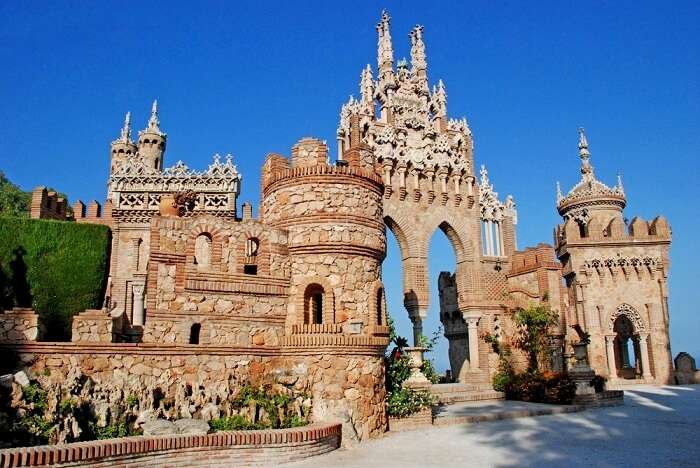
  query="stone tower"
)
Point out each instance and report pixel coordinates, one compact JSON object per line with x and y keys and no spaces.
{"x":333,"y":215}
{"x":152,"y":141}
{"x":122,"y":148}
{"x":427,"y":165}
{"x":616,"y":278}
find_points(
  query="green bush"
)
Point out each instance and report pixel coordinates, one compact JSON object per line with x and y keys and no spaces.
{"x":405,"y":402}
{"x":58,"y":268}
{"x":541,"y":388}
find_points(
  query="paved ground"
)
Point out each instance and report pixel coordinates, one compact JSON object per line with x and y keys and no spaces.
{"x":657,"y":427}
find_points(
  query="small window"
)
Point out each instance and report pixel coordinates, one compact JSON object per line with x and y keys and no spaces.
{"x":194,"y":333}
{"x":250,"y":269}
{"x":380,"y":302}
{"x":313,"y":304}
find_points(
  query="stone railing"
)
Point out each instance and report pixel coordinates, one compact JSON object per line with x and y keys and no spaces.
{"x":19,"y":324}
{"x":233,"y":448}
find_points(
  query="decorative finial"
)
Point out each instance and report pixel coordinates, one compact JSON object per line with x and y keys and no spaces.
{"x":385,"y":50}
{"x":418,"y":50}
{"x":153,"y":122}
{"x":484,"y":176}
{"x":440,"y":99}
{"x":619,"y":187}
{"x":584,"y":154}
{"x":559,"y":194}
{"x":125,"y":136}
{"x":367,"y":85}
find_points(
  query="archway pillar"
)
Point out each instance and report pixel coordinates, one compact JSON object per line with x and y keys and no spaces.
{"x":644,"y":356}
{"x":610,"y":347}
{"x":473,"y":334}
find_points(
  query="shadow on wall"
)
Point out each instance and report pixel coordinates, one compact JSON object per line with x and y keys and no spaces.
{"x":603,"y":437}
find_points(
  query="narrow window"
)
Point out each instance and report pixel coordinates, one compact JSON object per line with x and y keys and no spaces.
{"x":313,"y":304}
{"x":194,"y":333}
{"x":380,"y":301}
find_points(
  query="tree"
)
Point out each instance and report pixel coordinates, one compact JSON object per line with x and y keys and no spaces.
{"x":534,"y":323}
{"x":13,"y":201}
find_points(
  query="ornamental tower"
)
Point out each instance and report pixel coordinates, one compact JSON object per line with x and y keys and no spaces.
{"x":123,"y":148}
{"x":152,"y":141}
{"x":616,"y":275}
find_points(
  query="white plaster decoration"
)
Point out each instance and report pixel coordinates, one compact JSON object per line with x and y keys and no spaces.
{"x":631,"y":313}
{"x":138,"y":314}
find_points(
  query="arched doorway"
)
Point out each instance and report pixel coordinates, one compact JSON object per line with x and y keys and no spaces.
{"x":627,"y":345}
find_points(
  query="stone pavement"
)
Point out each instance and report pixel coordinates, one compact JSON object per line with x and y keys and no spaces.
{"x":657,"y":427}
{"x":494,"y":410}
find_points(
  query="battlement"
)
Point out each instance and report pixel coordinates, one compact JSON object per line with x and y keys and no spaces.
{"x":48,"y":205}
{"x":94,"y":213}
{"x":597,"y":230}
{"x":533,"y":258}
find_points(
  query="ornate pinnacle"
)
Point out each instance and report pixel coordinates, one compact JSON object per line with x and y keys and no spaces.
{"x":125,"y":136}
{"x":584,"y":154}
{"x":484,"y":176}
{"x":441,"y":99}
{"x":385,"y":50}
{"x":417,"y":49}
{"x":559,"y":194}
{"x":619,"y":186}
{"x":367,"y":85}
{"x":153,"y":122}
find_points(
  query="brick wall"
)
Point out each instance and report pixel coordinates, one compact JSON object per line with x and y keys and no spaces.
{"x":232,"y":448}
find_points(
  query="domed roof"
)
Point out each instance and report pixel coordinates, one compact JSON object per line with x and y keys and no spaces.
{"x":589,"y":191}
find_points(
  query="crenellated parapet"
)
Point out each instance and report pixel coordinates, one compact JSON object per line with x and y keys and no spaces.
{"x":48,"y":205}
{"x":93,"y":213}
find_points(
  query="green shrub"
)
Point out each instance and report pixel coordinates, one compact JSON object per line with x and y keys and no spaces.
{"x":58,"y":268}
{"x":541,"y":388}
{"x":405,"y":402}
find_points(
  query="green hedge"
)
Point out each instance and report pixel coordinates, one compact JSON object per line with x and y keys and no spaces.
{"x":58,"y":268}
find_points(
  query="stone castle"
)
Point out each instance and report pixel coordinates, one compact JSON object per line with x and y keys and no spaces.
{"x":203,"y":294}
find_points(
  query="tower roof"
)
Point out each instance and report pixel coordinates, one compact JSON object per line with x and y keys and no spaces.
{"x":125,"y":134}
{"x":589,"y":191}
{"x":153,"y":125}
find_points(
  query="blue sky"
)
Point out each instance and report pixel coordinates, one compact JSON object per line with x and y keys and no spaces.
{"x":253,"y":77}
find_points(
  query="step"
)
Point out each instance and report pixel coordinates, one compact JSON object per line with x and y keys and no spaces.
{"x":466,"y":413}
{"x":461,"y":397}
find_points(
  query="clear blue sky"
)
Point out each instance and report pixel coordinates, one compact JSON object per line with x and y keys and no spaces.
{"x":253,"y":77}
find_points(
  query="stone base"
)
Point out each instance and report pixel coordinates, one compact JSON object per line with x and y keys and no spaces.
{"x":415,"y":421}
{"x":601,"y":399}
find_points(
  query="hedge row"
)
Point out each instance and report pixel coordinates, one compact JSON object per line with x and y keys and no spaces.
{"x":57,"y":268}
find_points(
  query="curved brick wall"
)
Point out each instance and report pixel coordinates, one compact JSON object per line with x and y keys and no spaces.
{"x":232,"y":448}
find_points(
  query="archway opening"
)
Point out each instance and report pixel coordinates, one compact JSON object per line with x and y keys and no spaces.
{"x":626,"y":347}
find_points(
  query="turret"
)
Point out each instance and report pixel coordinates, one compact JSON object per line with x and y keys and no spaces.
{"x":123,"y":147}
{"x":152,"y":141}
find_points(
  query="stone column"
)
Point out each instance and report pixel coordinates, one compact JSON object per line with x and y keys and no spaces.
{"x":644,"y":356}
{"x":138,"y":315}
{"x":417,"y":330}
{"x":472,"y":323}
{"x":497,"y":250}
{"x":610,"y":346}
{"x":489,"y":238}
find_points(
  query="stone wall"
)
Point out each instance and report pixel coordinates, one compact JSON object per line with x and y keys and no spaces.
{"x":48,"y":205}
{"x":92,"y":326}
{"x":343,"y":380}
{"x":19,"y":324}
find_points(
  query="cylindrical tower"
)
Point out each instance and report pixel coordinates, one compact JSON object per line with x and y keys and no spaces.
{"x":336,"y":239}
{"x":122,"y":148}
{"x":152,"y":141}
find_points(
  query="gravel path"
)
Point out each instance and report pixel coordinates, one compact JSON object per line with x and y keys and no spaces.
{"x":657,"y":427}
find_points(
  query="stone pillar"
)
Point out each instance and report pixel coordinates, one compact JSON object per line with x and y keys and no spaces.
{"x":497,"y":250}
{"x":417,"y":330}
{"x":138,"y":315}
{"x":610,"y":347}
{"x":472,"y":323}
{"x":644,"y":356}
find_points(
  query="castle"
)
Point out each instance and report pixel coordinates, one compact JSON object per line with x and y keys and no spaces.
{"x":201,"y":293}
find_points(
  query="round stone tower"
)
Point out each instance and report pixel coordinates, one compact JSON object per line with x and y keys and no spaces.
{"x":333,"y":215}
{"x":152,"y":141}
{"x":122,"y":148}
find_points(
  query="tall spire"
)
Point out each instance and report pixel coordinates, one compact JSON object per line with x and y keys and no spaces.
{"x":585,"y":155}
{"x":367,"y":85}
{"x":440,"y":99}
{"x":418,"y":52}
{"x":619,"y":186}
{"x":385,"y":50}
{"x":559,"y":194}
{"x":125,"y":136}
{"x":153,"y":122}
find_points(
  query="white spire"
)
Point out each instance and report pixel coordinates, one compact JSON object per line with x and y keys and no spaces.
{"x":559,"y":194}
{"x":153,"y":122}
{"x":585,"y":155}
{"x":367,"y":85}
{"x":418,"y":50}
{"x":125,"y":136}
{"x":385,"y":50}
{"x":619,"y":187}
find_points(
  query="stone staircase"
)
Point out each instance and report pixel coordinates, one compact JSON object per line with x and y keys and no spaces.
{"x":460,"y":392}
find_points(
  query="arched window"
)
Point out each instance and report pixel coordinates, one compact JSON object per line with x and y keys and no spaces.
{"x":202,"y":251}
{"x":313,"y":304}
{"x":380,"y":304}
{"x":140,"y":255}
{"x":194,"y":333}
{"x":250,"y":266}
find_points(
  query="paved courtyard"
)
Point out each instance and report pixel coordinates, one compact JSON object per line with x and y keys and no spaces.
{"x":657,"y":426}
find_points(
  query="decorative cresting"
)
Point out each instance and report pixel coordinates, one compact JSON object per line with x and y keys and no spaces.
{"x":629,"y":312}
{"x":412,"y":138}
{"x":589,"y":191}
{"x":493,"y":214}
{"x":135,"y":188}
